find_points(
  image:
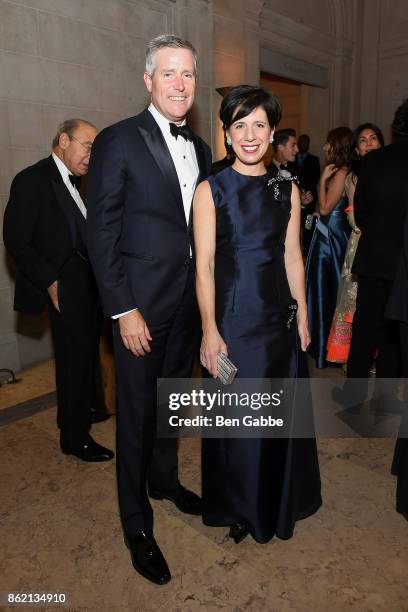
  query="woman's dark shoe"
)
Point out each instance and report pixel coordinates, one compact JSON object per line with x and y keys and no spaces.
{"x":238,"y":532}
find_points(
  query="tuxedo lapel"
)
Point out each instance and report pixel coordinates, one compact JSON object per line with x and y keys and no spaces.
{"x":80,"y":220}
{"x":202,"y":167}
{"x":61,"y":195}
{"x":73,"y":216}
{"x":157,"y":146}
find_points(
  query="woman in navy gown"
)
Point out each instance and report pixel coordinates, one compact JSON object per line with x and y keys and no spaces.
{"x":249,"y":273}
{"x":329,"y":243}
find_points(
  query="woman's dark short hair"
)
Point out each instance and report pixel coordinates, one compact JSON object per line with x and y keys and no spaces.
{"x":240,"y":101}
{"x":339,"y":140}
{"x":355,"y":159}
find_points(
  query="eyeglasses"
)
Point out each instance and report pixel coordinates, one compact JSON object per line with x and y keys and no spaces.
{"x":87,"y":146}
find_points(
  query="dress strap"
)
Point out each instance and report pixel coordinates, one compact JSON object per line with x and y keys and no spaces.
{"x":322,"y":228}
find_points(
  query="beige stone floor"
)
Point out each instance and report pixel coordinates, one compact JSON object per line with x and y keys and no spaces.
{"x":60,"y":532}
{"x":34,"y":381}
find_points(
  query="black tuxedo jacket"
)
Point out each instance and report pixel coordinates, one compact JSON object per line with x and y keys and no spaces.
{"x":309,"y":174}
{"x":397,"y":307}
{"x":380,"y":207}
{"x":42,"y":228}
{"x":138,"y":238}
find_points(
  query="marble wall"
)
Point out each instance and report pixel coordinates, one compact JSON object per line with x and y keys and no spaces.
{"x":314,"y":35}
{"x":384,"y":78}
{"x":317,"y":34}
{"x":70,"y":58}
{"x":62,"y":58}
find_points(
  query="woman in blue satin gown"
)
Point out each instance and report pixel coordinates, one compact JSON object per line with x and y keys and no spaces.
{"x":329,"y":243}
{"x":249,"y":272}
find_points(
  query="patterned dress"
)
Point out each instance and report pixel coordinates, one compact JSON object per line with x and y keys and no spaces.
{"x":338,"y":344}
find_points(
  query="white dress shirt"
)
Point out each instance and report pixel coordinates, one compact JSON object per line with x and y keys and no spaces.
{"x":64,"y":172}
{"x":183,"y":154}
{"x":284,"y":172}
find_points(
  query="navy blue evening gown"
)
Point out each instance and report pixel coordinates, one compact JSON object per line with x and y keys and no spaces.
{"x":267,"y":484}
{"x":323,"y":270}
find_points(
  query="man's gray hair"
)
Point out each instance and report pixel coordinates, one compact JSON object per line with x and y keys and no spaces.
{"x":164,"y":41}
{"x":68,"y":127}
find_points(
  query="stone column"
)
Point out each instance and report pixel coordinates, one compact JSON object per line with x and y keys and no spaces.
{"x":235,"y":52}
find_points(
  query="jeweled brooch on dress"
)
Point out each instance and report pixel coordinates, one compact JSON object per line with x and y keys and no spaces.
{"x":275,"y":180}
{"x":292,"y":310}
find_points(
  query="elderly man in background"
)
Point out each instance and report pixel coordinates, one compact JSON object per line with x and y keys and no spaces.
{"x":45,"y":233}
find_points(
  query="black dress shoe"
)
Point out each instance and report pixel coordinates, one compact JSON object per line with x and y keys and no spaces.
{"x":185,"y":500}
{"x":238,"y":532}
{"x":99,"y":417}
{"x":403,"y":513}
{"x":89,"y":450}
{"x":147,"y":558}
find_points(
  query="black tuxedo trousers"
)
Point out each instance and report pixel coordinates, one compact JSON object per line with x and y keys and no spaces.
{"x":372,"y":332}
{"x":141,"y":456}
{"x":400,"y":461}
{"x":75,"y":334}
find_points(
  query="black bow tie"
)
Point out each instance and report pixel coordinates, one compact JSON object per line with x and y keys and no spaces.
{"x":75,"y":180}
{"x":283,"y":167}
{"x":181,"y":130}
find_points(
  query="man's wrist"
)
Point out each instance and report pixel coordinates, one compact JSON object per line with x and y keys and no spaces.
{"x":122,"y":314}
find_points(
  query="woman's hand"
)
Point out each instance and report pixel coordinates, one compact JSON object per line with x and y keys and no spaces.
{"x":306,"y":197}
{"x":328,"y":172}
{"x":211,"y":345}
{"x":303,"y":330}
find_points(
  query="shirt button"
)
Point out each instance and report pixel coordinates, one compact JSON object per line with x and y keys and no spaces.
{"x":184,"y":157}
{"x":184,"y":185}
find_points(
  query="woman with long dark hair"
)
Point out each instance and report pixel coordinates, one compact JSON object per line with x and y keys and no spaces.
{"x":329,"y":243}
{"x":366,"y":137}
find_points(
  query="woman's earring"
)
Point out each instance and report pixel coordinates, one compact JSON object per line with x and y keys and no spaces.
{"x":229,"y":141}
{"x":271,"y":139}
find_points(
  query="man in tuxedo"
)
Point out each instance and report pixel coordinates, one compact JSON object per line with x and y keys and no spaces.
{"x":307,"y":168}
{"x":308,"y":173}
{"x":45,"y":232}
{"x":285,"y":149}
{"x":380,"y":208}
{"x":143,"y":174}
{"x":397,"y":311}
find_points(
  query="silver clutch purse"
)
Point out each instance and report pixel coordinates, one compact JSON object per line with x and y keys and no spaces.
{"x":226,"y":369}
